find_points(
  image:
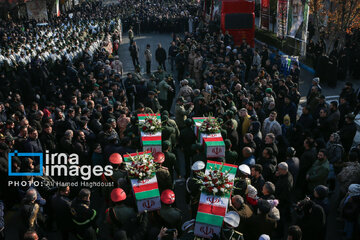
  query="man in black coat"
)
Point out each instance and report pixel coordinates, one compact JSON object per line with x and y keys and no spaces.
{"x":348,"y":131}
{"x":32,"y":144}
{"x":160,"y":55}
{"x":134,"y":53}
{"x":47,"y":139}
{"x":268,"y":161}
{"x":257,"y":180}
{"x":283,"y":187}
{"x":60,"y":204}
{"x":311,"y":219}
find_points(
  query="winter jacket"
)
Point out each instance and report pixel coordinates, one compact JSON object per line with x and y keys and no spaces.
{"x":318,"y":174}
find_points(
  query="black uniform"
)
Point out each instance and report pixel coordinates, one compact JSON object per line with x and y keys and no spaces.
{"x":84,"y":219}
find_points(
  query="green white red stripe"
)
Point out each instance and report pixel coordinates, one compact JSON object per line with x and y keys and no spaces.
{"x":151,"y":141}
{"x":142,"y":117}
{"x":127,"y":157}
{"x":147,"y":188}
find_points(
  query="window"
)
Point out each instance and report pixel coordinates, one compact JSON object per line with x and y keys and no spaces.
{"x":239,"y":21}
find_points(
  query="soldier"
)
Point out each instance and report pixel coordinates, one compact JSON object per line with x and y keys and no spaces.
{"x":170,"y":160}
{"x":170,"y":217}
{"x":120,"y":217}
{"x":160,"y":74}
{"x":168,"y":132}
{"x":152,"y":85}
{"x":230,"y":156}
{"x":193,"y":187}
{"x":116,"y":161}
{"x":244,"y":180}
{"x":162,"y":173}
{"x":199,"y":152}
{"x":181,"y":113}
{"x":187,"y":138}
{"x":83,"y":217}
{"x":164,"y":88}
{"x":231,"y":221}
{"x":152,"y":102}
{"x":186,"y":91}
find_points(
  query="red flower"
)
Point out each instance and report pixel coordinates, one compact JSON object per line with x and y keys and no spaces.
{"x":150,"y":121}
{"x":214,"y":181}
{"x":144,"y":128}
{"x":206,"y":179}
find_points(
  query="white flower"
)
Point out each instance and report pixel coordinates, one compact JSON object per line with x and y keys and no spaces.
{"x":215,"y":190}
{"x":227,"y":185}
{"x":222,"y":190}
{"x":152,"y":128}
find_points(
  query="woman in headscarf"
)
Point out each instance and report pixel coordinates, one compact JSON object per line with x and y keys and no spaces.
{"x":286,"y":126}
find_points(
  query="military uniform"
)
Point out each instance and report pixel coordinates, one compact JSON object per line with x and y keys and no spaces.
{"x":122,"y":217}
{"x":170,"y":163}
{"x":181,"y":114}
{"x":193,"y":194}
{"x":164,"y":178}
{"x":171,"y":217}
{"x":231,"y":157}
{"x":84,"y":219}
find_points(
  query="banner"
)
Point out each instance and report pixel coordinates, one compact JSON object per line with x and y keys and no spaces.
{"x":37,"y":10}
{"x":57,"y":8}
{"x":298,"y":17}
{"x":265,"y":14}
{"x":282,"y":16}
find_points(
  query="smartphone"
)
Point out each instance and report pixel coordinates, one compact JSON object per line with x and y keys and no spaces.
{"x":170,"y":231}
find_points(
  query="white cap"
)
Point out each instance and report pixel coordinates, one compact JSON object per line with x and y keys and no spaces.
{"x":228,"y":47}
{"x":264,"y":237}
{"x":198,"y":165}
{"x":232,"y":218}
{"x":245,"y":169}
{"x":187,"y":224}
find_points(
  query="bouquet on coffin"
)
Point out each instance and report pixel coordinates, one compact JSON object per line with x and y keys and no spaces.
{"x":150,"y":131}
{"x":142,"y":172}
{"x":207,"y":130}
{"x":151,"y":123}
{"x":216,"y":184}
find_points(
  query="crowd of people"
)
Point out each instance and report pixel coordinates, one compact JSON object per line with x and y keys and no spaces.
{"x":64,"y":90}
{"x":341,"y":63}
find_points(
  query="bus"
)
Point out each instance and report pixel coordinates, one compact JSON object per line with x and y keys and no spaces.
{"x":235,"y":16}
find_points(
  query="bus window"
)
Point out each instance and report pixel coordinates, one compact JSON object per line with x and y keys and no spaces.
{"x":239,"y":21}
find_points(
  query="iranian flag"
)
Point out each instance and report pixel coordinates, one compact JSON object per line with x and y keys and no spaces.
{"x":147,"y":194}
{"x":142,"y":117}
{"x":146,"y":191}
{"x":212,"y":208}
{"x":214,"y":147}
{"x":151,"y":143}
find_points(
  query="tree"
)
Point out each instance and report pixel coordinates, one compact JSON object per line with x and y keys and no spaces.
{"x":334,"y":20}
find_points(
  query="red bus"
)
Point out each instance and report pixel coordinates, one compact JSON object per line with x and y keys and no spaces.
{"x":235,"y":16}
